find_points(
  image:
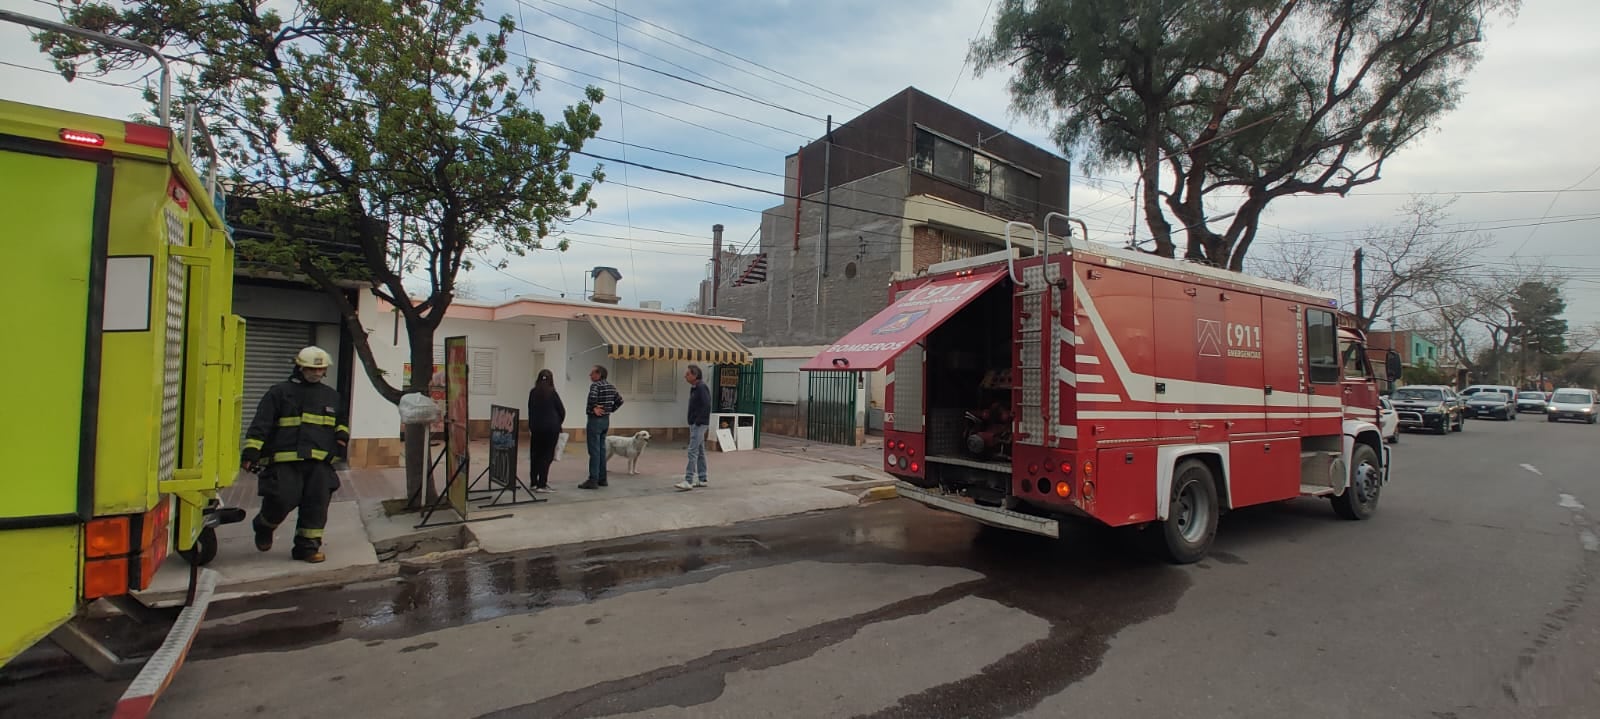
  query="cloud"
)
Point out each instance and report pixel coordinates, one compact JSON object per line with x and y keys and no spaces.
{"x":1525,"y":123}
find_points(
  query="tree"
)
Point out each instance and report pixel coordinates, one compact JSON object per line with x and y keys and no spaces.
{"x":1424,"y":372}
{"x":1416,"y":260}
{"x":393,"y":123}
{"x":1270,"y":98}
{"x":1420,"y":259}
{"x":1536,"y":306}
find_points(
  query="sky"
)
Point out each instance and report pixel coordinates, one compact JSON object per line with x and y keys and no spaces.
{"x":1525,"y":130}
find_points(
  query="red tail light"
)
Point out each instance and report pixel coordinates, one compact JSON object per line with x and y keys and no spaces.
{"x":1066,"y":467}
{"x":916,"y":467}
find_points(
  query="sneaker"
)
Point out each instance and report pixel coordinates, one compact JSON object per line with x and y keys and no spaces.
{"x":700,"y":483}
{"x":683,"y":486}
{"x":589,"y":485}
{"x":544,"y":490}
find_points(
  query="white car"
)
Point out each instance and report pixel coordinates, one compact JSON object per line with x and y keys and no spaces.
{"x":1388,"y":421}
{"x":1578,"y":404}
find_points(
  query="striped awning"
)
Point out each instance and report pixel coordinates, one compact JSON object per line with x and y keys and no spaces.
{"x":644,"y":338}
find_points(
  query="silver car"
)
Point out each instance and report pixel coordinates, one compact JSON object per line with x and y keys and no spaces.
{"x":1574,"y":403}
{"x":1532,"y":401}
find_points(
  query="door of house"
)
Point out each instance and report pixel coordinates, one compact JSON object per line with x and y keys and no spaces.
{"x":831,"y":407}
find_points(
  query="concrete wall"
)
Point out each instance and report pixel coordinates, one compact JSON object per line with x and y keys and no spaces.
{"x":863,"y":255}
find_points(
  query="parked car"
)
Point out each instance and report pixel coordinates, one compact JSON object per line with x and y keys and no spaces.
{"x":1430,"y":407}
{"x":1574,"y":403}
{"x":1488,"y":403}
{"x":1532,"y":401}
{"x":1388,"y":421}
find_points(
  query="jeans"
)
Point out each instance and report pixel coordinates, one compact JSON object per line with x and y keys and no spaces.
{"x":595,"y":436}
{"x":697,"y":453}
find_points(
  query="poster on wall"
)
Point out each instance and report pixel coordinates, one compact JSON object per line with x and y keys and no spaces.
{"x":457,"y":451}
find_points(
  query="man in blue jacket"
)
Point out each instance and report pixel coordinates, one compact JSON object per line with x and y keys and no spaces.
{"x":694,"y":475}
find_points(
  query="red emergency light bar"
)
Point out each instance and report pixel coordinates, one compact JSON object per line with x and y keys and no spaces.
{"x":79,"y":137}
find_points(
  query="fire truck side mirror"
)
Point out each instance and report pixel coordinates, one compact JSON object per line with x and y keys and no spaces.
{"x":1391,"y":366}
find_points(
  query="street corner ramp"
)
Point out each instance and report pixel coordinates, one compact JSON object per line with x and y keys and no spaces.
{"x":244,"y":571}
{"x":718,"y":505}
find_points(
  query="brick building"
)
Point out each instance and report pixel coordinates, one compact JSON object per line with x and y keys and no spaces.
{"x":914,"y":181}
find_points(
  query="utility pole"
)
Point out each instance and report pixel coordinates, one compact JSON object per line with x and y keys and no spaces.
{"x":1360,"y":300}
{"x":827,"y":223}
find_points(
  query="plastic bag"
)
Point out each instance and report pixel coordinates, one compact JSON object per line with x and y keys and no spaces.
{"x":561,"y":444}
{"x":418,"y":408}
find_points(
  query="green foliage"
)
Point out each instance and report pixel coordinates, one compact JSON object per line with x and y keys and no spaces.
{"x":1537,"y":307}
{"x":401,"y":131}
{"x":1266,"y":98}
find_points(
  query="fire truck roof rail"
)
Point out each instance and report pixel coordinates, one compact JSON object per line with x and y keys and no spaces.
{"x":165,"y":106}
{"x":978,"y":261}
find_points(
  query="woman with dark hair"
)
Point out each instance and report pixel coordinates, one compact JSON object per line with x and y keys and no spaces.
{"x":546,"y":414}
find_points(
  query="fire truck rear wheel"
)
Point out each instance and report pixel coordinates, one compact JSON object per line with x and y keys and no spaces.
{"x":1191,"y":522}
{"x":1360,"y":499}
{"x":204,"y":550}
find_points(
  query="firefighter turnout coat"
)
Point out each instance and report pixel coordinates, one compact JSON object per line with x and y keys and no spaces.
{"x":297,"y":421}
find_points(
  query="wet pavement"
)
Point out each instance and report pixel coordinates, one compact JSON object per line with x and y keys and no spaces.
{"x":1470,"y":595}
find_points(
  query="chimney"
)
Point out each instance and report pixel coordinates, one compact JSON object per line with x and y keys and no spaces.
{"x":605,"y":285}
{"x":716,"y":265}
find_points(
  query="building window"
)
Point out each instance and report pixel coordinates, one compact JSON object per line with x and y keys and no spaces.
{"x":942,"y":158}
{"x":1322,"y":346}
{"x":481,"y":370}
{"x":960,"y":164}
{"x":646,"y":380}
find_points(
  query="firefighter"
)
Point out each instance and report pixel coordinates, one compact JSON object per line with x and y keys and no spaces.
{"x":292,"y":444}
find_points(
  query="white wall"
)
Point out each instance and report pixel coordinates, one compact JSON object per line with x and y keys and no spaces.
{"x":512,"y":345}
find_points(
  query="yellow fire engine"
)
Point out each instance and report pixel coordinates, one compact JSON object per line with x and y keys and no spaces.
{"x":123,"y":416}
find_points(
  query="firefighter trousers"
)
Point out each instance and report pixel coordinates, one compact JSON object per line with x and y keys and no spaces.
{"x":305,"y":485}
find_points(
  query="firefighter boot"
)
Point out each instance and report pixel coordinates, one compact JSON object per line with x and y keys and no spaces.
{"x":263,"y":534}
{"x":308,"y":548}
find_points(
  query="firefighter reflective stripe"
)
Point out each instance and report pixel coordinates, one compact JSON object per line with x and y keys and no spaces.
{"x":316,"y":454}
{"x":308,"y":533}
{"x":341,"y":429}
{"x":254,"y":444}
{"x":326,"y":420}
{"x":288,"y":421}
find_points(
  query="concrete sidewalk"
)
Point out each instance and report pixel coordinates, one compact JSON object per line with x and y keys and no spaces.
{"x":363,"y":540}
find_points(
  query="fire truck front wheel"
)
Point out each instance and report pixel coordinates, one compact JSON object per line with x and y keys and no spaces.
{"x":1360,"y":499}
{"x":1192,"y":515}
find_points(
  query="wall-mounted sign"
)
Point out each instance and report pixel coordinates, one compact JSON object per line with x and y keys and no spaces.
{"x":552,"y":337}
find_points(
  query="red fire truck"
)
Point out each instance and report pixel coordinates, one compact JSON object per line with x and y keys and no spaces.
{"x":1111,"y":385}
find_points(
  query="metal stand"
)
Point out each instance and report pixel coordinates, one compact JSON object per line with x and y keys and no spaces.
{"x":443,"y":500}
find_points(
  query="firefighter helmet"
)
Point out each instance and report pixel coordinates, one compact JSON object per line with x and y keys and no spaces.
{"x":313,"y":358}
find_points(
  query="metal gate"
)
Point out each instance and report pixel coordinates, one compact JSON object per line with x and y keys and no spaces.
{"x":831,"y":407}
{"x":745,"y":391}
{"x":269,"y":350}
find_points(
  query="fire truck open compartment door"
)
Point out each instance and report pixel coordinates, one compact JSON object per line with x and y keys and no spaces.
{"x":904,"y":323}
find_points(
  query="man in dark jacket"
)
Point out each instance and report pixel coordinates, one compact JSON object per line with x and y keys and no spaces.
{"x":694,"y":475}
{"x":603,"y":400}
{"x":295,"y":438}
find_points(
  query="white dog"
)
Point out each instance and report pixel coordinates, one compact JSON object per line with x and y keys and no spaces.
{"x":630,"y":447}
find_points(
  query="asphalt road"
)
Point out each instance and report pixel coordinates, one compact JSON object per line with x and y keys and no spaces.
{"x":1471,"y":594}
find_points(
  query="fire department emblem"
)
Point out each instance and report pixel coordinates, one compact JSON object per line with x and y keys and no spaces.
{"x":1209,"y":335}
{"x":900,"y":322}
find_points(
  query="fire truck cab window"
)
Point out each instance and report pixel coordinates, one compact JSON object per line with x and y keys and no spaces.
{"x":1355,"y":364}
{"x":1322,"y":346}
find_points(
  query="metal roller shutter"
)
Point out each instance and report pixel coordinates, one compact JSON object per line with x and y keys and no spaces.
{"x":269,"y":350}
